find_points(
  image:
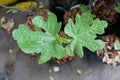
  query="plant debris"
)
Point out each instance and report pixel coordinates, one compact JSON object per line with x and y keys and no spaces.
{"x":8,"y":25}
{"x":111,"y":53}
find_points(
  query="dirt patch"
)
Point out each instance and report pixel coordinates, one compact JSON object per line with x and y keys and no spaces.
{"x":103,"y":10}
{"x":71,"y":14}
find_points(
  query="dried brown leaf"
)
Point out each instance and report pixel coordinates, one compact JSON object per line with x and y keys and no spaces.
{"x":8,"y":25}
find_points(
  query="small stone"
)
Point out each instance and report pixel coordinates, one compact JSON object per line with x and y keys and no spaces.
{"x":78,"y":71}
{"x":51,"y":78}
{"x":56,"y":69}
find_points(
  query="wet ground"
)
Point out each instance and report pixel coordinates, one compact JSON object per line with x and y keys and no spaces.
{"x":26,"y":67}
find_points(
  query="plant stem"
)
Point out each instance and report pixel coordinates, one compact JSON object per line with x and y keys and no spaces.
{"x":62,"y":40}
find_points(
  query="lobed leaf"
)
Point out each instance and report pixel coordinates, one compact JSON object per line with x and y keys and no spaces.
{"x":40,"y":42}
{"x":84,"y":33}
{"x":51,"y":26}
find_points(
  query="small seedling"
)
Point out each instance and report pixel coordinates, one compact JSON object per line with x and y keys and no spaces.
{"x":50,"y":44}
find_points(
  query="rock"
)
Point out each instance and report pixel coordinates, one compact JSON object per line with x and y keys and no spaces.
{"x":56,"y":69}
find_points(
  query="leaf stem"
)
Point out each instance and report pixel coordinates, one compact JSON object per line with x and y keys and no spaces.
{"x":62,"y":40}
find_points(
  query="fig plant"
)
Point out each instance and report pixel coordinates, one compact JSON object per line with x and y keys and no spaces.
{"x":47,"y":41}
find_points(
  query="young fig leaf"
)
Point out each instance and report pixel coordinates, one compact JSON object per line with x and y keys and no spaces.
{"x":84,"y":33}
{"x":51,"y":26}
{"x":40,"y":42}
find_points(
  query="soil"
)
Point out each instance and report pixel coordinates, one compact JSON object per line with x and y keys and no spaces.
{"x":110,"y":54}
{"x":42,"y":12}
{"x":71,"y":14}
{"x":104,"y":11}
{"x":64,"y":60}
